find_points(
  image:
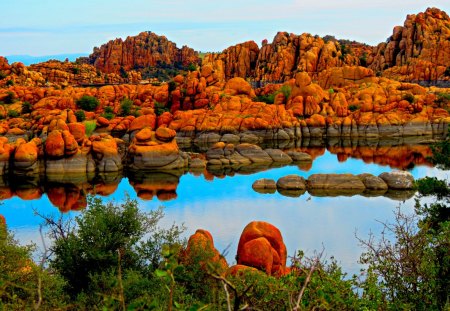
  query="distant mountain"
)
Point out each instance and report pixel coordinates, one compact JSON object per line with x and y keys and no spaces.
{"x":29,"y":60}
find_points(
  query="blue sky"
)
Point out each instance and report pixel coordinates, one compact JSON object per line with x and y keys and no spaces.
{"x":75,"y":26}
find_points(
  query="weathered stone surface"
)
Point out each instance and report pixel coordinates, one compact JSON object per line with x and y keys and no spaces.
{"x":261,"y":246}
{"x":141,"y":51}
{"x":278,"y":156}
{"x":291,"y":182}
{"x":398,"y":180}
{"x":264,"y":185}
{"x":254,"y":153}
{"x":297,"y":156}
{"x":335,"y":182}
{"x":201,"y":247}
{"x":373,"y":182}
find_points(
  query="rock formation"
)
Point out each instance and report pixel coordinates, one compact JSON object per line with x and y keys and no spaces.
{"x":144,"y":50}
{"x":418,"y":50}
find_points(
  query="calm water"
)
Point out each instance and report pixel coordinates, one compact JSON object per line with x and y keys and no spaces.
{"x":225,"y":205}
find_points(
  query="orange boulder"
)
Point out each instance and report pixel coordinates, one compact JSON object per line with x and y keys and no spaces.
{"x":261,"y":246}
{"x":201,"y":250}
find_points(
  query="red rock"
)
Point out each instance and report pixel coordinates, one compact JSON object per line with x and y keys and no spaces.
{"x":143,"y":121}
{"x":78,"y":130}
{"x":261,"y":246}
{"x":143,"y":50}
{"x":165,"y":134}
{"x":201,"y":250}
{"x":54,"y":145}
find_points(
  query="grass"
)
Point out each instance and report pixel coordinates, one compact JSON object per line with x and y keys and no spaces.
{"x":90,"y":127}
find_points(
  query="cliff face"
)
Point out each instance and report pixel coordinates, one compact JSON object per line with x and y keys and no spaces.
{"x":143,"y":50}
{"x":418,"y":50}
{"x":236,"y":61}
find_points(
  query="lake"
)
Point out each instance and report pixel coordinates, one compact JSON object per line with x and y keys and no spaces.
{"x":224,"y":202}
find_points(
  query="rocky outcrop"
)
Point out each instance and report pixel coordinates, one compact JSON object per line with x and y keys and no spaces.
{"x":200,"y":250}
{"x":398,"y":180}
{"x":418,"y":50}
{"x":261,"y":246}
{"x":396,"y":185}
{"x":236,"y":61}
{"x":264,"y":185}
{"x":144,"y":50}
{"x":156,"y":150}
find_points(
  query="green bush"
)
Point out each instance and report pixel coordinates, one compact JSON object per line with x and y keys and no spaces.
{"x":125,"y":107}
{"x":447,"y":72}
{"x":108,"y":115}
{"x":10,"y":98}
{"x":13,"y":114}
{"x":268,"y":99}
{"x":9,"y":83}
{"x":123,"y":73}
{"x":160,"y":108}
{"x":286,"y":91}
{"x":76,"y":70}
{"x":80,"y":115}
{"x":90,"y":127}
{"x":409,"y":98}
{"x":192,"y":67}
{"x":21,"y":279}
{"x":109,"y":109}
{"x":2,"y":75}
{"x":353,"y":108}
{"x":26,"y":107}
{"x":87,"y":103}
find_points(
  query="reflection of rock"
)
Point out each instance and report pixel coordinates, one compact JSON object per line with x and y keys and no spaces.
{"x":291,"y":193}
{"x":66,"y":197}
{"x":398,"y":180}
{"x":400,"y":195}
{"x":264,"y":185}
{"x":162,"y":184}
{"x":261,"y":246}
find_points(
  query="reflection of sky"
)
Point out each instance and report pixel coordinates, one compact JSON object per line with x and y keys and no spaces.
{"x":225,"y":206}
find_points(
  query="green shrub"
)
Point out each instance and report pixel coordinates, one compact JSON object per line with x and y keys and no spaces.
{"x":13,"y":114}
{"x":123,"y":72}
{"x":353,"y":108}
{"x":80,"y":115}
{"x":10,"y":98}
{"x":21,"y":279}
{"x":109,"y":109}
{"x":90,"y":127}
{"x":192,"y":67}
{"x":285,"y":90}
{"x":409,"y":98}
{"x":160,"y":108}
{"x":75,"y":70}
{"x":9,"y":83}
{"x":2,"y":75}
{"x":268,"y":99}
{"x":172,"y":86}
{"x":447,"y":72}
{"x":125,"y":107}
{"x":87,"y":103}
{"x":363,"y":59}
{"x":26,"y":107}
{"x":112,"y":243}
{"x":108,"y":115}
